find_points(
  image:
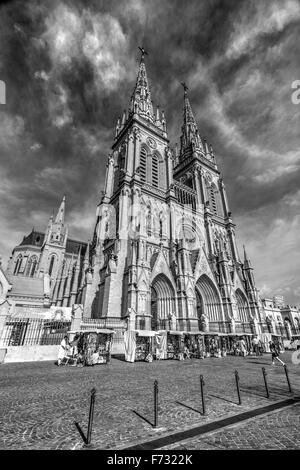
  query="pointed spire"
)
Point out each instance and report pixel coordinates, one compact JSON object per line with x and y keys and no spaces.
{"x":157,"y":115}
{"x":141,"y":102}
{"x":118,"y":126}
{"x":60,"y":217}
{"x":190,"y":138}
{"x":123,"y":119}
{"x":247,"y":262}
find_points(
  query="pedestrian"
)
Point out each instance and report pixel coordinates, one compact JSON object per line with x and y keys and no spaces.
{"x":243,"y":347}
{"x":260,"y":347}
{"x":63,"y":350}
{"x":255,"y":345}
{"x":275,"y":353}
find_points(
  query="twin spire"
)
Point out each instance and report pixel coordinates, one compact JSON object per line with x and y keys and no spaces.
{"x":141,"y":102}
{"x":141,"y":105}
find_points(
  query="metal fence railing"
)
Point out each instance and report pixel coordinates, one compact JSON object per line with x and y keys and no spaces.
{"x":111,"y":323}
{"x":33,"y":331}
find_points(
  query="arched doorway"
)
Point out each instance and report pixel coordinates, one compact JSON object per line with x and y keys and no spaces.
{"x":242,"y":307}
{"x":162,"y":302}
{"x":208,"y":301}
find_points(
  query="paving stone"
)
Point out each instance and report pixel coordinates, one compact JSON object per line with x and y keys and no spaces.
{"x":40,"y":402}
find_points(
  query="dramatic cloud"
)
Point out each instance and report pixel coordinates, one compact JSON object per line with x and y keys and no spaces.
{"x":69,"y":70}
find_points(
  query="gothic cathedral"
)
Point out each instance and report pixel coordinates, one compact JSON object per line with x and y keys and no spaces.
{"x":164,"y":245}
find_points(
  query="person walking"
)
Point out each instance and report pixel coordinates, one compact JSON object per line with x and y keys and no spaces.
{"x":275,"y":353}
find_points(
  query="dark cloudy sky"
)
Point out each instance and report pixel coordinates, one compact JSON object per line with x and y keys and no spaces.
{"x":69,"y":69}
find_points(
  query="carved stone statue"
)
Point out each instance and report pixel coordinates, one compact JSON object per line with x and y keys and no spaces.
{"x":173,"y":321}
{"x":204,"y":322}
{"x":131,"y":319}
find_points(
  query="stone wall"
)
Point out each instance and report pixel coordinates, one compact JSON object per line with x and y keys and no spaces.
{"x":31,"y":353}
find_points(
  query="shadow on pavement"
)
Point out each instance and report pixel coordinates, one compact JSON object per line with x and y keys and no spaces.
{"x":221,"y":398}
{"x":143,"y":417}
{"x":189,"y":407}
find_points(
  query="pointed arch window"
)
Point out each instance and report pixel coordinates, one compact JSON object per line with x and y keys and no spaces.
{"x":143,"y":165}
{"x":31,"y":266}
{"x":51,"y":265}
{"x":121,"y":165}
{"x":155,"y":173}
{"x":212,"y":199}
{"x":18,"y":264}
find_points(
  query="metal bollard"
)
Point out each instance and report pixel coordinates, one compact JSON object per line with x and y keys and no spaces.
{"x":91,"y":416}
{"x":155,"y":403}
{"x":202,"y":383}
{"x":287,"y":378}
{"x":266,"y":383}
{"x":237,"y":380}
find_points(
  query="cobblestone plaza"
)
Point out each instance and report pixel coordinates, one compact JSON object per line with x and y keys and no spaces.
{"x":40,"y":403}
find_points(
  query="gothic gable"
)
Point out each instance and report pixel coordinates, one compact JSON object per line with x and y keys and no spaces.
{"x":161,"y":267}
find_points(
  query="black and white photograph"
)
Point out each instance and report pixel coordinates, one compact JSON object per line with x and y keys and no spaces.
{"x":150,"y":228}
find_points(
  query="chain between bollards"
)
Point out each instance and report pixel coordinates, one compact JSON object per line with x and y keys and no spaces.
{"x":265,"y":380}
{"x":202,"y":383}
{"x":91,"y":416}
{"x":155,"y":403}
{"x":237,"y":380}
{"x":287,"y":378}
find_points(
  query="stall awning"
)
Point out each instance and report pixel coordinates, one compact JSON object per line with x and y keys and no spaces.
{"x":191,"y":333}
{"x":239,"y":334}
{"x":106,"y":331}
{"x":99,"y":330}
{"x":145,"y":332}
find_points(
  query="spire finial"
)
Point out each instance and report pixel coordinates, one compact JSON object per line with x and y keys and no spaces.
{"x":144,"y":52}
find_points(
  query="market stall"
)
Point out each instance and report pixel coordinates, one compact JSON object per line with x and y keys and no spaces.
{"x":194,"y":345}
{"x":175,"y":345}
{"x":224,"y":344}
{"x":90,"y":347}
{"x":234,"y":344}
{"x":139,"y":345}
{"x":212,"y":345}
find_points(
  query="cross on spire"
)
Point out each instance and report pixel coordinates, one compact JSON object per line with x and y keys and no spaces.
{"x":185,"y":87}
{"x":143,"y":51}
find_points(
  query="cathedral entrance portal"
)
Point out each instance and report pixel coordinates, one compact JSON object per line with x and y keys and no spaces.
{"x":162,"y":303}
{"x":208,"y":303}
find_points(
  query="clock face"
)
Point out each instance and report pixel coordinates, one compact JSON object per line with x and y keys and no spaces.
{"x":151,"y":142}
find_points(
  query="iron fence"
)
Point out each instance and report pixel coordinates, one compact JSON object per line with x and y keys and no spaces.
{"x":111,"y":323}
{"x":33,"y":331}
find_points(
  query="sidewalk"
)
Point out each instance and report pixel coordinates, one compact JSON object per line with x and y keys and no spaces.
{"x":40,"y":401}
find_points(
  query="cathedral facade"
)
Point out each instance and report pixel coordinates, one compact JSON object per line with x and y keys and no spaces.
{"x":164,"y":245}
{"x":163,"y":252}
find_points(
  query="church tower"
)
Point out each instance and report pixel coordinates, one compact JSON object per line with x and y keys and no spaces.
{"x":54,"y":245}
